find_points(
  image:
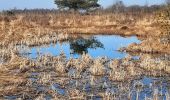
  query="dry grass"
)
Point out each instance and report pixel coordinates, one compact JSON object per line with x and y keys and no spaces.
{"x":151,"y":45}
{"x":160,"y":44}
{"x":22,"y":26}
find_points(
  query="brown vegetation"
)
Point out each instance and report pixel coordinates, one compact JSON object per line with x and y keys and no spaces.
{"x":159,"y":44}
{"x":47,"y":71}
{"x":150,"y":45}
{"x":19,"y":26}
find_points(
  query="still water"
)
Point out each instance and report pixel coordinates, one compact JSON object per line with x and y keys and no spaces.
{"x":97,"y":45}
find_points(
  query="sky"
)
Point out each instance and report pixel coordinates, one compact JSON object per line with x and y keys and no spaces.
{"x":31,"y":4}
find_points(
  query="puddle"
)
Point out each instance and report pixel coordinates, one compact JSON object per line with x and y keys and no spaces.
{"x":58,"y":89}
{"x":11,"y":97}
{"x":151,"y":88}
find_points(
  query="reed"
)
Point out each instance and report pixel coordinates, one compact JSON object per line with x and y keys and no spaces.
{"x":98,"y":67}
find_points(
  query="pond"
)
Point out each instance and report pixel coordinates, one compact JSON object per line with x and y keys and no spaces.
{"x":95,"y":46}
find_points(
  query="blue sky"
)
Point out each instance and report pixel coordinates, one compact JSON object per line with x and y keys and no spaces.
{"x":21,"y":4}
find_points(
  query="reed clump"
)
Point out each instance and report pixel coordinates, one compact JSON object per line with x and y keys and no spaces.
{"x":158,"y":64}
{"x":98,"y":68}
{"x":150,"y":45}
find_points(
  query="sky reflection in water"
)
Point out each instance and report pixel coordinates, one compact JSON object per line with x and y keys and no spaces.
{"x":96,"y":46}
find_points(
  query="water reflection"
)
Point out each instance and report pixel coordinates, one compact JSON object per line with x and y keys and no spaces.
{"x":81,"y":45}
{"x":96,"y":46}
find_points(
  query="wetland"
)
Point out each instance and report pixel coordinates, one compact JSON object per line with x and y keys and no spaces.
{"x":65,"y":55}
{"x":83,"y":67}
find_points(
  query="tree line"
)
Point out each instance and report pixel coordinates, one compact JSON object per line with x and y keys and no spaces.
{"x":93,"y":5}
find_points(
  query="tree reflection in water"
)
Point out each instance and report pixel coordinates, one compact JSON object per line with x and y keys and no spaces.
{"x":81,"y":45}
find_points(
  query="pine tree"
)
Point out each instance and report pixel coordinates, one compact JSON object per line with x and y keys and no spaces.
{"x":77,"y":4}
